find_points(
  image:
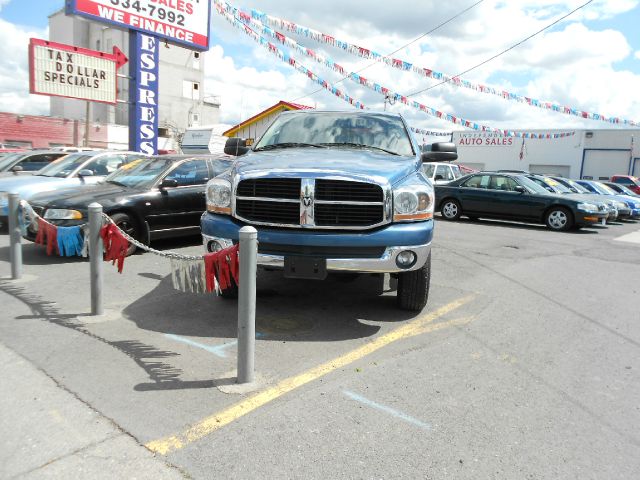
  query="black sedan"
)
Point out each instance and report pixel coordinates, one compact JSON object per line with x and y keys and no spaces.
{"x":150,"y":198}
{"x":511,"y":196}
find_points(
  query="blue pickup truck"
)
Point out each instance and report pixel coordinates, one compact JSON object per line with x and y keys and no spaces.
{"x":331,"y":192}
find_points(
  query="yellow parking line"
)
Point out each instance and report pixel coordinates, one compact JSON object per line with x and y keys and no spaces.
{"x":212,"y":423}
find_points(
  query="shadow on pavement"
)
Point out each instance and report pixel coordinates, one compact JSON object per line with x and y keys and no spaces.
{"x":337,"y":308}
{"x":590,"y":230}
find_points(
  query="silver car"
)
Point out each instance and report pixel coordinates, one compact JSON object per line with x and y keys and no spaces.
{"x":70,"y":171}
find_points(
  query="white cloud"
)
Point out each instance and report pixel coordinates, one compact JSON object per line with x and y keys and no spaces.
{"x":637,"y":55}
{"x":14,"y":71}
{"x":569,"y":64}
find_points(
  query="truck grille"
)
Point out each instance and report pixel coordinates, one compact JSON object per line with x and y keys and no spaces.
{"x":324,"y":203}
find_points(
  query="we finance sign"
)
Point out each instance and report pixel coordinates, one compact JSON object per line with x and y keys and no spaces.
{"x":180,"y":21}
{"x":62,"y":70}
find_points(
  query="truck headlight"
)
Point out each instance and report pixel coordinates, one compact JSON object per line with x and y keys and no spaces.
{"x":62,"y":214}
{"x":413,"y":202}
{"x":219,"y":196}
{"x":588,"y":207}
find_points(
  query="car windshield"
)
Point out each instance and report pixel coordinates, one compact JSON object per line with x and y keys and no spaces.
{"x":143,"y":172}
{"x":9,"y":159}
{"x":577,"y":187}
{"x":531,"y":185}
{"x":65,"y":166}
{"x":557,"y":185}
{"x":606,"y":189}
{"x":600,"y":188}
{"x":373,"y":131}
{"x":626,"y":190}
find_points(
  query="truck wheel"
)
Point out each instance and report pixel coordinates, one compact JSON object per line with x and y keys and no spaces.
{"x":413,"y":288}
{"x":451,"y":209}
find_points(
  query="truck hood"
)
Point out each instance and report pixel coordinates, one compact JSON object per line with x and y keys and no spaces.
{"x":309,"y":161}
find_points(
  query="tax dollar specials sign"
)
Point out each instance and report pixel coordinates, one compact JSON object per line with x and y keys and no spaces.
{"x":66,"y":71}
{"x":180,"y":21}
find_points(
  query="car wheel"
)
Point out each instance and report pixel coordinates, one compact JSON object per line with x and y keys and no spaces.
{"x":129,"y":226}
{"x":559,"y":219}
{"x":413,"y":288}
{"x":451,"y":209}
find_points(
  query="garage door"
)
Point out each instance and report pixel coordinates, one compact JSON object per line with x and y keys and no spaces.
{"x":556,"y":170}
{"x":602,"y":164}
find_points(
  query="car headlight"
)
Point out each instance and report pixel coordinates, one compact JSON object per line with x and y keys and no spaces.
{"x":413,"y":202}
{"x":588,"y":207}
{"x":621,"y":205}
{"x":62,"y":214}
{"x":219,"y":196}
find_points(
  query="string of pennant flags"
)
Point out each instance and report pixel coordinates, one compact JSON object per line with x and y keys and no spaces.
{"x":213,"y":272}
{"x":236,"y":21}
{"x":279,"y":23}
{"x":421,"y":131}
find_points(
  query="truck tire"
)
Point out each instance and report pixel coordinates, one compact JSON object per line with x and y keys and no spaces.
{"x":230,"y":293}
{"x":413,"y":288}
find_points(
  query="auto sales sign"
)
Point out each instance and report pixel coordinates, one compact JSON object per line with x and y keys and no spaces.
{"x":66,"y":71}
{"x":185,"y":22}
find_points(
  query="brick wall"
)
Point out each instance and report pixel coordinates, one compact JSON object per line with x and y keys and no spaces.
{"x":44,"y":132}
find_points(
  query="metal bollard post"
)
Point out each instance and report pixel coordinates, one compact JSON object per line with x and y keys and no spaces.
{"x":96,"y":256}
{"x":247,"y":304}
{"x":15,"y":236}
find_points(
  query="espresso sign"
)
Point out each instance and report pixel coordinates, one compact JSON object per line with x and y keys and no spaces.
{"x":67,"y":71}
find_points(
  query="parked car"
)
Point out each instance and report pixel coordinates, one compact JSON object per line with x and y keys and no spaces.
{"x":512,"y":196}
{"x":27,"y":162}
{"x":632,"y":183}
{"x":73,"y":170}
{"x":441,"y":172}
{"x":554,"y":186}
{"x":151,"y":198}
{"x":614,"y":205}
{"x":632,"y":204}
{"x":621,"y":189}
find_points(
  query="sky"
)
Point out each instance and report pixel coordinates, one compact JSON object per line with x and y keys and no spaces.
{"x":589,"y":61}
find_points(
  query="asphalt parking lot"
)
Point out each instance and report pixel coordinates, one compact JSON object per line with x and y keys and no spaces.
{"x":524,"y":365}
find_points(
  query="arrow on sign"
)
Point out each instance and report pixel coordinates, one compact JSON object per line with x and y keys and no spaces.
{"x":119,"y":56}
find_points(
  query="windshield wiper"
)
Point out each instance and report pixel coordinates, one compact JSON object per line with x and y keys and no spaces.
{"x":116,"y":183}
{"x":359,"y":145}
{"x":287,"y":145}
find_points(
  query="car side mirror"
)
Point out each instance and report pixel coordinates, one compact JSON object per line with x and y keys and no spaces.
{"x":86,"y":173}
{"x":237,"y":146}
{"x":438,"y":177}
{"x":17,"y":169}
{"x":439,"y":152}
{"x":168,"y":183}
{"x":519,"y":189}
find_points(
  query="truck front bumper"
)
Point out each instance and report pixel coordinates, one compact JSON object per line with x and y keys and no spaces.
{"x":385,"y":244}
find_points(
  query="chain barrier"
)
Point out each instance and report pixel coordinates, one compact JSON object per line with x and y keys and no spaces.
{"x":34,"y":216}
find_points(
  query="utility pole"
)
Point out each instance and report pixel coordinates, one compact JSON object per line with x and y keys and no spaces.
{"x":87,"y":122}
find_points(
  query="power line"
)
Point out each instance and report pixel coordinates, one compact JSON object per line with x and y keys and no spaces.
{"x":404,"y":46}
{"x":503,"y":52}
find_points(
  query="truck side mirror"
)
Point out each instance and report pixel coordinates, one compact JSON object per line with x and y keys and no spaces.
{"x":237,"y":146}
{"x":440,"y":152}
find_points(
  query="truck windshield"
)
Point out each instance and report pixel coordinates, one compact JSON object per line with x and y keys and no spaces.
{"x":379,"y":132}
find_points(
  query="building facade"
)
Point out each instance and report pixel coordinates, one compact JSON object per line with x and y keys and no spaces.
{"x":182,"y":100}
{"x":591,"y":154}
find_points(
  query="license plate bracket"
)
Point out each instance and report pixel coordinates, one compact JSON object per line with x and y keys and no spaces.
{"x":309,"y":268}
